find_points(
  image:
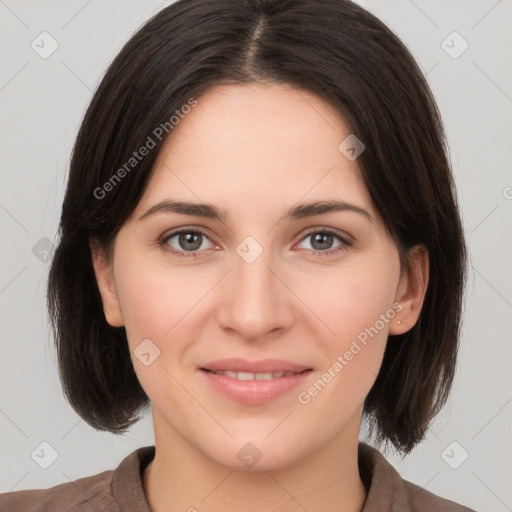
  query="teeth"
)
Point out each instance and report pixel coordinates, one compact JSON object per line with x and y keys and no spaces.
{"x":245,"y":376}
{"x":254,"y":376}
{"x":263,"y":376}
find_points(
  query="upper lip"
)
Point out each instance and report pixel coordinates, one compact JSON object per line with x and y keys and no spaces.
{"x":261,"y":366}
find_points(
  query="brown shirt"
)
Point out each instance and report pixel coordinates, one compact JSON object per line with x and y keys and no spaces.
{"x":121,"y":490}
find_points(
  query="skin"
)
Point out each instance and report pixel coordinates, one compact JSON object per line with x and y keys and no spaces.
{"x":257,"y":150}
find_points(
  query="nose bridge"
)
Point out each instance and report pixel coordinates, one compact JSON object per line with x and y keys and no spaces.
{"x":252,"y":273}
{"x":254,"y":303}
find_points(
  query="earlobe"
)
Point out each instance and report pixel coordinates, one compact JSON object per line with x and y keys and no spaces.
{"x":106,"y":285}
{"x":411,"y":291}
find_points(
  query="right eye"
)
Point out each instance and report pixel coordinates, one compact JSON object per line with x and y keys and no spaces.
{"x":189,"y":241}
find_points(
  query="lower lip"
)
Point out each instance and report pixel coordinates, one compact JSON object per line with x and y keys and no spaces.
{"x":254,"y":392}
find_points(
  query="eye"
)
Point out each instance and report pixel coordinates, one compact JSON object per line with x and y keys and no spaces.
{"x":322,"y":241}
{"x":186,"y":244}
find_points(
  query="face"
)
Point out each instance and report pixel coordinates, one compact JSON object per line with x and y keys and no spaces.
{"x":319,"y":292}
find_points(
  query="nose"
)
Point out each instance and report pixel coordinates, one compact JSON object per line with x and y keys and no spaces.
{"x":255,"y":301}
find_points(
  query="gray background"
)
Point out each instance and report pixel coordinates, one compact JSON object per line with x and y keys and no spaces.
{"x":42,"y":102}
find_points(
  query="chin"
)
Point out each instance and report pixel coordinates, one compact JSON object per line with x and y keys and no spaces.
{"x":257,"y":454}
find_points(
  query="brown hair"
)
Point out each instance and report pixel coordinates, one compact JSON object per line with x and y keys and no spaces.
{"x":332,"y":48}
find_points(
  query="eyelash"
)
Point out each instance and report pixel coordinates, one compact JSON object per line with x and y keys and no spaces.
{"x":345,"y":243}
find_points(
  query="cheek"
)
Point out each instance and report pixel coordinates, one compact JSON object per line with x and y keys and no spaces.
{"x":160,"y":303}
{"x":152,"y":304}
{"x":148,"y":300}
{"x":354,"y":297}
{"x":357,"y":307}
{"x":144,"y":303}
{"x":153,"y":296}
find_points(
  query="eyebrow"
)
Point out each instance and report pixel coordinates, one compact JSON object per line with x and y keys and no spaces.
{"x":211,"y":211}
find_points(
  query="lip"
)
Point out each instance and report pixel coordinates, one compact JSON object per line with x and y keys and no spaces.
{"x":261,"y":366}
{"x":254,"y":392}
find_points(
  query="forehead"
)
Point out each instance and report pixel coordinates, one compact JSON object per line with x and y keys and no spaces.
{"x":256,"y":143}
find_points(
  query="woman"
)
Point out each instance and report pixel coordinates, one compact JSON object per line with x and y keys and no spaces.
{"x":260,"y":239}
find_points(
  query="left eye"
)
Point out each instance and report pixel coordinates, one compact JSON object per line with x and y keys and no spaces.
{"x":322,"y":240}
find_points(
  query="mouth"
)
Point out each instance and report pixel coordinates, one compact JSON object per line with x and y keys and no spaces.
{"x":256,"y":382}
{"x":256,"y":376}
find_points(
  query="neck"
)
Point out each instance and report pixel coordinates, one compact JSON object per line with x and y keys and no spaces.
{"x":182,"y":478}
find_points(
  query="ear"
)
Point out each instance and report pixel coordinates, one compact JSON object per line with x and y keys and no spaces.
{"x":411,"y":291}
{"x":105,"y":279}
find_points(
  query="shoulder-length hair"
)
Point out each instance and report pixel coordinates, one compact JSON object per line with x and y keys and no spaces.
{"x":332,"y":48}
